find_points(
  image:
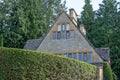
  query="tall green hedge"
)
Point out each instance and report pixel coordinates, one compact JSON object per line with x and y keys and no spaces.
{"x":114,"y":76}
{"x":1,"y":41}
{"x":107,"y":71}
{"x":18,"y":64}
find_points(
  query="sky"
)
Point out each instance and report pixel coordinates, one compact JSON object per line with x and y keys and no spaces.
{"x":78,"y":4}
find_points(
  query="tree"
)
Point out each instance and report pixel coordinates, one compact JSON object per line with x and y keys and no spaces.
{"x":87,"y":17}
{"x":115,"y":47}
{"x":1,"y":41}
{"x":27,"y":19}
{"x":105,"y":31}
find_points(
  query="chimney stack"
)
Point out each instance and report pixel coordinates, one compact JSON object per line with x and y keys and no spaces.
{"x":82,"y":29}
{"x":73,"y":15}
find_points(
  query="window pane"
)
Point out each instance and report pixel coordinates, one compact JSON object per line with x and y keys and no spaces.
{"x":89,"y":57}
{"x":80,"y":56}
{"x":59,"y":28}
{"x":85,"y":57}
{"x":54,"y":36}
{"x":70,"y":55}
{"x":65,"y":55}
{"x":71,"y":34}
{"x":63,"y":35}
{"x":67,"y":34}
{"x":67,"y":27}
{"x":63,"y":27}
{"x":58,"y":35}
{"x":75,"y":56}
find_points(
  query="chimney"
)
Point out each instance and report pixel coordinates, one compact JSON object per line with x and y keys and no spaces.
{"x":82,"y":29}
{"x":73,"y":15}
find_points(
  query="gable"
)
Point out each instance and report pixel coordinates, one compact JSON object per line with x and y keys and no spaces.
{"x":75,"y":44}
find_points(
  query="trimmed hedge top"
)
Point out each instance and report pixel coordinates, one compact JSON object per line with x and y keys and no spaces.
{"x":18,"y":64}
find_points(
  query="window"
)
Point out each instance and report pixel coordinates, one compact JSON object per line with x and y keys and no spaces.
{"x":75,"y":56}
{"x":65,"y":55}
{"x":59,"y":28}
{"x":80,"y":56}
{"x":63,"y":27}
{"x":85,"y":57}
{"x":63,"y":32}
{"x":72,"y":34}
{"x":63,"y":35}
{"x":70,"y":55}
{"x":67,"y":27}
{"x":89,"y":57}
{"x":67,"y":34}
{"x":58,"y":35}
{"x":54,"y":35}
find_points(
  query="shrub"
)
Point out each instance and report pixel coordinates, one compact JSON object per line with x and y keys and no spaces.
{"x":1,"y":41}
{"x":107,"y":72}
{"x":114,"y":76}
{"x":18,"y":64}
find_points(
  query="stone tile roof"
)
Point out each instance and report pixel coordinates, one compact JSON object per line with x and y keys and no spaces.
{"x":32,"y":44}
{"x":104,"y":53}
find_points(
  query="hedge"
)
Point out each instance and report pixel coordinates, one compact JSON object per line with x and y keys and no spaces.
{"x":107,"y":71}
{"x":114,"y":76}
{"x":18,"y":64}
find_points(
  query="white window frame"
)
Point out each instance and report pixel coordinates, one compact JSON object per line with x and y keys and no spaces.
{"x":59,"y":28}
{"x":67,"y":27}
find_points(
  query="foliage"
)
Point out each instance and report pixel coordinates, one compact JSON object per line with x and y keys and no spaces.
{"x":1,"y":41}
{"x":18,"y":64}
{"x":21,"y":20}
{"x":105,"y":30}
{"x":114,"y":76}
{"x":107,"y":72}
{"x":87,"y":17}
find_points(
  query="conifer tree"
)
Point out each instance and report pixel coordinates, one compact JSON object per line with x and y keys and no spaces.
{"x":26,"y":20}
{"x":87,"y":17}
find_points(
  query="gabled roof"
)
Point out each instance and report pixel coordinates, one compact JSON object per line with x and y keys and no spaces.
{"x":35,"y":43}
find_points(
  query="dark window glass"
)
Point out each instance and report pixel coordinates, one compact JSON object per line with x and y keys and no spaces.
{"x":70,"y":55}
{"x":80,"y":56}
{"x":54,"y":35}
{"x":89,"y":57}
{"x":63,"y":35}
{"x":63,"y":27}
{"x":75,"y":56}
{"x":58,"y":35}
{"x":71,"y":34}
{"x":85,"y":57}
{"x":65,"y":55}
{"x":67,"y":34}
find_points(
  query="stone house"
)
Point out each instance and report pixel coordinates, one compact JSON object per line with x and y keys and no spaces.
{"x":65,"y":38}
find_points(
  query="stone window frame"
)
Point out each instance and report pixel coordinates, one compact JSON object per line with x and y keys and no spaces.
{"x":65,"y":32}
{"x":77,"y":53}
